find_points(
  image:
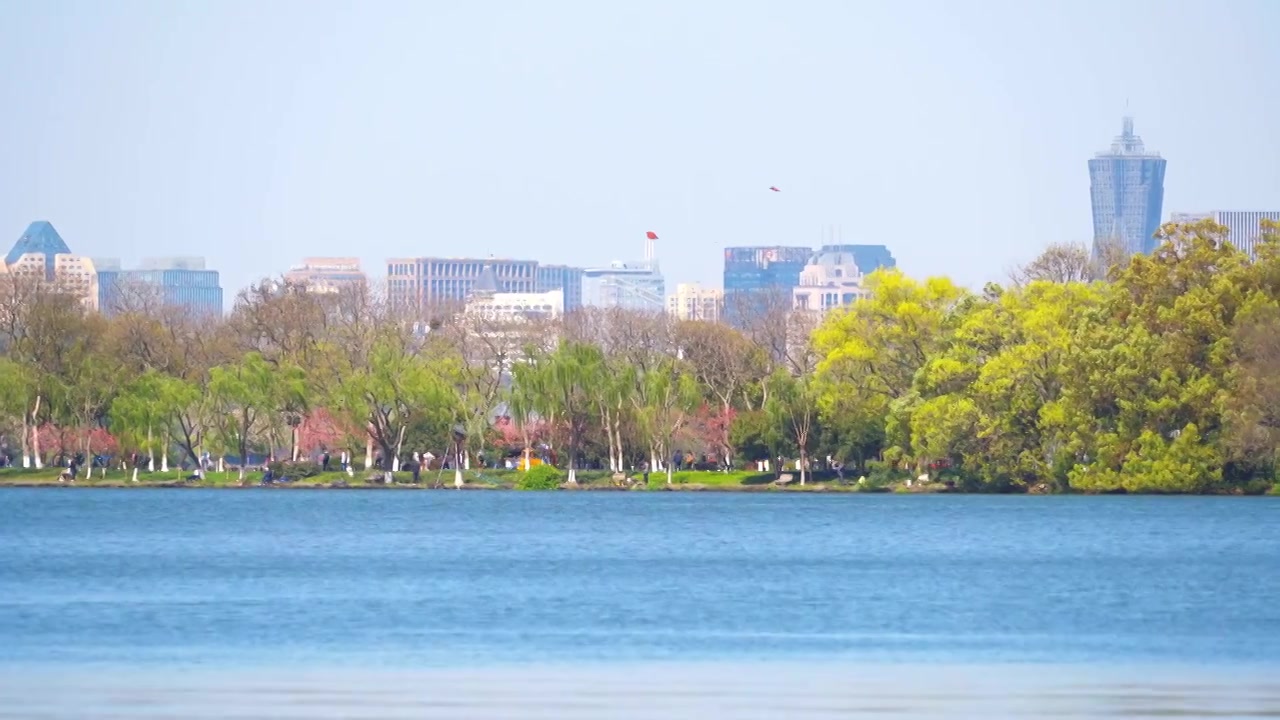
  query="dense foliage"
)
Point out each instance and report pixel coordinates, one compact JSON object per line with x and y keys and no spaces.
{"x":1157,"y":375}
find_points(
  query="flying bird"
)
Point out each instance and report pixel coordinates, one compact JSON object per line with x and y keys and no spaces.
{"x":651,"y":235}
{"x":774,"y":188}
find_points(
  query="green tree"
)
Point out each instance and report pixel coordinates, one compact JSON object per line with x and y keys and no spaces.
{"x":871,"y":353}
{"x":668,"y":397}
{"x":792,"y":406}
{"x":563,"y":384}
{"x":17,"y":391}
{"x":243,"y":395}
{"x":394,"y":387}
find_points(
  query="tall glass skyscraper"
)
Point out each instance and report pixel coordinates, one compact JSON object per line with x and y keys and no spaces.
{"x":1126,"y":186}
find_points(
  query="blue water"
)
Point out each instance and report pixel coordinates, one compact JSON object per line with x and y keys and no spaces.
{"x":284,"y":578}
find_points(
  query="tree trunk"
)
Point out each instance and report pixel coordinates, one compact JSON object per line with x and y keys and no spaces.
{"x":26,"y":440}
{"x":293,"y":439}
{"x":35,"y":434}
{"x":803,"y":466}
{"x":88,"y":449}
{"x":622,"y":459}
{"x":368,"y":452}
{"x":164,"y":459}
{"x":573,"y":460}
{"x":395,"y":460}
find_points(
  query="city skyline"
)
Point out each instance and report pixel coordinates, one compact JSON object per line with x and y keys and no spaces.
{"x":572,"y":127}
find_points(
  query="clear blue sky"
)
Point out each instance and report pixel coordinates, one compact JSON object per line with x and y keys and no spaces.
{"x":255,"y":133}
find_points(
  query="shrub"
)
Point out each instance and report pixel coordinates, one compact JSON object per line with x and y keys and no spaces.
{"x":294,"y":471}
{"x":540,"y":477}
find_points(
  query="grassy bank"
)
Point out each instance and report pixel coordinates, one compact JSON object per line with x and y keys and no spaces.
{"x":588,"y":480}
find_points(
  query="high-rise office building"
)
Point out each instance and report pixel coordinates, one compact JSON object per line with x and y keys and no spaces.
{"x":40,"y":238}
{"x":1244,"y":226}
{"x":327,"y":275}
{"x":41,"y":255}
{"x":1126,"y":187}
{"x":691,"y":301}
{"x":424,"y":282}
{"x":756,"y":276}
{"x":182,"y":282}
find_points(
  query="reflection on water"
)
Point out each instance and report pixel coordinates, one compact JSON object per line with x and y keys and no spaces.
{"x":651,"y":690}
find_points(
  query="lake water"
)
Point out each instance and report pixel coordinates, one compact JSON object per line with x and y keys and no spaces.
{"x":130,"y":602}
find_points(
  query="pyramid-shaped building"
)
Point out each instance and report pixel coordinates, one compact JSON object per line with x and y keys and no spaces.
{"x":40,"y":237}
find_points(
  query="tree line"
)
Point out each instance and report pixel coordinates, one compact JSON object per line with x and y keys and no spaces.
{"x":1155,"y":374}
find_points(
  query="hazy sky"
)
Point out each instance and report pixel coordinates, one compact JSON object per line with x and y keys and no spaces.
{"x":957,"y":133}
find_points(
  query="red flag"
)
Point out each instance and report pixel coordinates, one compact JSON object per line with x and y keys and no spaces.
{"x":651,"y":235}
{"x":774,"y":188}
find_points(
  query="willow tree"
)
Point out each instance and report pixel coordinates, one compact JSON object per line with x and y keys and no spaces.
{"x":793,"y":408}
{"x":668,"y":395}
{"x":564,"y":385}
{"x":243,"y":396}
{"x":397,"y":384}
{"x":17,"y":393}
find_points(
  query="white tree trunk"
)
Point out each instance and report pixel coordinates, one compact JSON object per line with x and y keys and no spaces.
{"x":135,"y":474}
{"x":294,"y":440}
{"x":221,"y":464}
{"x":526,"y":458}
{"x":368,"y":453}
{"x":395,"y":462}
{"x":26,"y":440}
{"x":35,"y":435}
{"x":164,"y":459}
{"x":622,"y":459}
{"x":457,"y":476}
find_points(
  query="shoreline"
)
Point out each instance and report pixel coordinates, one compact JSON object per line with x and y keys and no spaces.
{"x":809,"y":489}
